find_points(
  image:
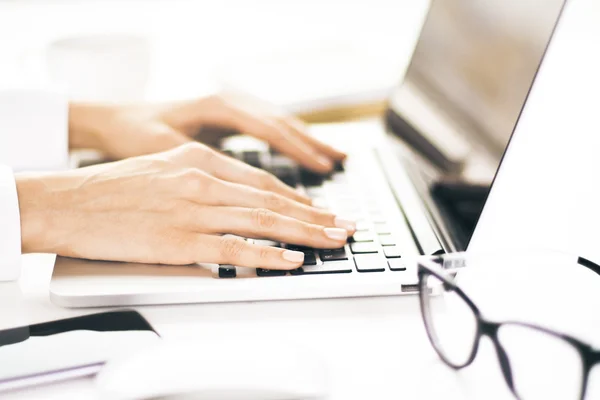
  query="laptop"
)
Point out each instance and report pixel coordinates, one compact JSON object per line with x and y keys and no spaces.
{"x":415,"y":180}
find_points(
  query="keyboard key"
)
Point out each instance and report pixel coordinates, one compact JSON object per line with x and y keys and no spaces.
{"x":270,"y":272}
{"x":370,"y":263}
{"x":374,"y":210}
{"x":309,"y":178}
{"x":315,"y":191}
{"x":309,"y":253}
{"x":338,"y":177}
{"x":392,"y":252}
{"x":364,"y":236}
{"x":382,"y":229}
{"x":347,"y":209}
{"x":310,"y":259}
{"x":331,"y":267}
{"x":296,"y":247}
{"x":290,"y":180}
{"x":227,"y":271}
{"x":252,"y":158}
{"x":92,"y":161}
{"x":282,"y":170}
{"x":341,"y":189}
{"x":278,"y":160}
{"x":274,"y":151}
{"x":269,"y":243}
{"x":364,"y":247}
{"x":387,"y":240}
{"x":338,"y":166}
{"x":320,"y":202}
{"x":286,"y":174}
{"x":362,"y":225}
{"x":396,"y":264}
{"x":372,"y":203}
{"x":378,"y":218}
{"x":333,"y":254}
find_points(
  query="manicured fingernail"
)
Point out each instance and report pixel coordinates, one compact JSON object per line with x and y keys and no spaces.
{"x":346,"y":224}
{"x":324,"y":161}
{"x":293,"y":256}
{"x":336,"y":233}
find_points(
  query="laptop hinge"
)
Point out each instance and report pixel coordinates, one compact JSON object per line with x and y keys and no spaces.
{"x":447,"y":237}
{"x":411,"y":205}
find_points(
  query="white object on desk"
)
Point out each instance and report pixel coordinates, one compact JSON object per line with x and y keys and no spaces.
{"x":549,"y":174}
{"x":94,"y":67}
{"x":34,"y":361}
{"x":216,"y":369}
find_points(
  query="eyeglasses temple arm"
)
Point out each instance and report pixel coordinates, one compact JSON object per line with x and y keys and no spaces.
{"x":589,"y":265}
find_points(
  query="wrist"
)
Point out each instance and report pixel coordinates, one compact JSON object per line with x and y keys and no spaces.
{"x":85,"y":125}
{"x":33,"y":208}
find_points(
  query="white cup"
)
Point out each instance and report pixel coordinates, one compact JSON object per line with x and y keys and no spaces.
{"x":108,"y":68}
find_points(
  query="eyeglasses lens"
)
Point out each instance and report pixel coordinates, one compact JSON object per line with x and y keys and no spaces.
{"x":543,"y":366}
{"x":450,"y":322}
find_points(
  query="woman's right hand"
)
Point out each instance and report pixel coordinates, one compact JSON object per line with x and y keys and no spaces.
{"x":183,"y":206}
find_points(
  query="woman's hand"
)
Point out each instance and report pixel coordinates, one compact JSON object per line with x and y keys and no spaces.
{"x":176,"y":207}
{"x":127,"y":131}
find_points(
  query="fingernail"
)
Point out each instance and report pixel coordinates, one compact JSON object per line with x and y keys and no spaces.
{"x":293,"y":256}
{"x":324,"y":161}
{"x":336,"y":233}
{"x":346,"y":224}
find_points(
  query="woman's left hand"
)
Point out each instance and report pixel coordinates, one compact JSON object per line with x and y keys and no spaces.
{"x":133,"y":130}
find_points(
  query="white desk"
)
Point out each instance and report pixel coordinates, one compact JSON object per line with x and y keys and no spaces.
{"x":375,"y":348}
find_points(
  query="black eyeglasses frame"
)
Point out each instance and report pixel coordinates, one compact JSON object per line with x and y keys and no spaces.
{"x":485,"y":327}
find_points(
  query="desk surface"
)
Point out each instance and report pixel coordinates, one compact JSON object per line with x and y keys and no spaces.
{"x":373,"y":347}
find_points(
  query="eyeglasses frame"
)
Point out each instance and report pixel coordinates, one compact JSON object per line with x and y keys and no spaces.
{"x":485,"y":327}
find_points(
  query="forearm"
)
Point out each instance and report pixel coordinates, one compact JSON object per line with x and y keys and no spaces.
{"x":32,"y":196}
{"x":33,"y":136}
{"x":46,"y":208}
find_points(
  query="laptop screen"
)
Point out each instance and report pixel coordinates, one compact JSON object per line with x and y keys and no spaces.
{"x":469,"y":76}
{"x":475,"y":61}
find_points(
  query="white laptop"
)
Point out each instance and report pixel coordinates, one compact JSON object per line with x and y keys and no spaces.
{"x":450,"y":120}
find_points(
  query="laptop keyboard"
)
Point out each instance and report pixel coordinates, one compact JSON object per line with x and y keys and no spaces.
{"x":373,"y":248}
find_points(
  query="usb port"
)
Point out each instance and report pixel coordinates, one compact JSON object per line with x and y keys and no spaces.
{"x":410,"y":288}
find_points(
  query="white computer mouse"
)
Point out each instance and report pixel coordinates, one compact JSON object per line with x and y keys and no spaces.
{"x":216,"y":369}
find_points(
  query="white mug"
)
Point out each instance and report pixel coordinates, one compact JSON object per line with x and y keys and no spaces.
{"x":103,"y":67}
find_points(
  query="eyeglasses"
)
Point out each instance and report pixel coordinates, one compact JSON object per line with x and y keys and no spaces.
{"x":536,"y":362}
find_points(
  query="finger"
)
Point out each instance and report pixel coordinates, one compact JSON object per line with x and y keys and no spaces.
{"x":232,"y":170}
{"x":299,"y":150}
{"x":223,"y":112}
{"x":300,"y":129}
{"x":236,"y":251}
{"x":265,"y":224}
{"x":236,"y":195}
{"x":199,"y":156}
{"x":280,"y":137}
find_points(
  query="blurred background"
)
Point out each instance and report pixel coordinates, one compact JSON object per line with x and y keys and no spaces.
{"x":298,"y":53}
